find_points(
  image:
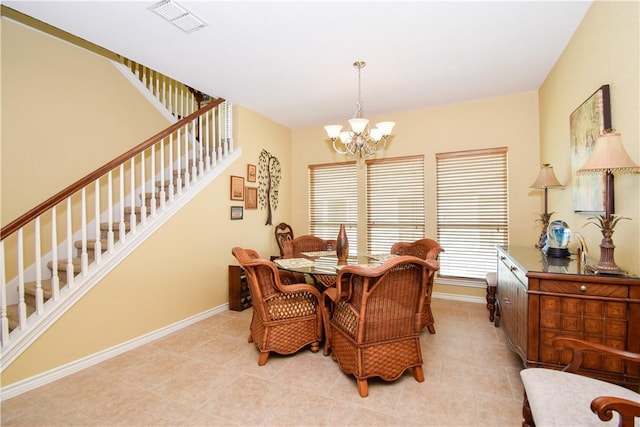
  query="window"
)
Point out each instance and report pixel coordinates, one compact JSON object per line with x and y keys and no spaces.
{"x":333,"y":200}
{"x":472,"y":210}
{"x":395,"y":202}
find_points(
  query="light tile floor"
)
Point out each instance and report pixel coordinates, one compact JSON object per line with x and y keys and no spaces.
{"x":207,"y":375}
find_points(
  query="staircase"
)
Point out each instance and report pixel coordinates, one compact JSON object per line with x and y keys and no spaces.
{"x":104,"y":216}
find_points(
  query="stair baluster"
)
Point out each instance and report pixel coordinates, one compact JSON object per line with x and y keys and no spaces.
{"x":39,"y":294}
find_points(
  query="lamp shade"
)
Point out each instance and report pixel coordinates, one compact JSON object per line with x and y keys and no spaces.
{"x":546,"y":178}
{"x":333,"y":131}
{"x":609,"y":155}
{"x":358,"y":125}
{"x":385,"y":127}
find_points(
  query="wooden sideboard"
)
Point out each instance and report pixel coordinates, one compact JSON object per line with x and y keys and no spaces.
{"x":539,"y":298}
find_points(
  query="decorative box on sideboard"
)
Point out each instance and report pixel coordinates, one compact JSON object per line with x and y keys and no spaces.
{"x":239,"y":296}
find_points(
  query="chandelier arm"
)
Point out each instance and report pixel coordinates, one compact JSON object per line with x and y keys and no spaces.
{"x":335,"y":147}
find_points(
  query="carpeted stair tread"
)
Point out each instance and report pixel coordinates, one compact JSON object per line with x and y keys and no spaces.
{"x":91,"y":244}
{"x":30,"y":288}
{"x":127,"y":211}
{"x":104,"y":226}
{"x":12,"y":315}
{"x":62,"y":265}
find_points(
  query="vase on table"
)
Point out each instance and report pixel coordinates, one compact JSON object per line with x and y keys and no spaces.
{"x":342,"y":246}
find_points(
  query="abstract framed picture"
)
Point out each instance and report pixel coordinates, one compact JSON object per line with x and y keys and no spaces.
{"x":236,"y":212}
{"x":586,"y":123}
{"x":237,"y":188}
{"x":251,"y":198}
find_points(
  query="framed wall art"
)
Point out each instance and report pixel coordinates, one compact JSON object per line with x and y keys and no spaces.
{"x":252,"y":173}
{"x":251,"y":198}
{"x":587,"y":122}
{"x":236,"y":212}
{"x":237,"y":188}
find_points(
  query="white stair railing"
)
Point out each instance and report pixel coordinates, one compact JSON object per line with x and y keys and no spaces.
{"x":155,"y":175}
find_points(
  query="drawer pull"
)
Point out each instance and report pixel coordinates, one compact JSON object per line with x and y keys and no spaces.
{"x":502,"y":258}
{"x":583,"y":288}
{"x":513,"y":268}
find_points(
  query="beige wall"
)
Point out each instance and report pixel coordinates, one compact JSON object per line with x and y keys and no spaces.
{"x":603,"y":50}
{"x":508,"y":121}
{"x":181,"y":271}
{"x":65,"y":113}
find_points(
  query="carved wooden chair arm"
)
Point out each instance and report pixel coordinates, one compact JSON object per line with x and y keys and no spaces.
{"x":578,"y":347}
{"x":604,"y":406}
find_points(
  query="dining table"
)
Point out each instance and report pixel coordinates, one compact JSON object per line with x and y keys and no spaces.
{"x":323,"y":267}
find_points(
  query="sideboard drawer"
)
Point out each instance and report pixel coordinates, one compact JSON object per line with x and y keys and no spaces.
{"x":591,"y":289}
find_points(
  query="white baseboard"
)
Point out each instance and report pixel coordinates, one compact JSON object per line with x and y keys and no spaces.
{"x":458,"y":297}
{"x":39,"y":380}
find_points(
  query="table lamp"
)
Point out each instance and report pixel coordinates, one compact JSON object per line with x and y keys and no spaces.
{"x":608,"y":158}
{"x":546,"y":179}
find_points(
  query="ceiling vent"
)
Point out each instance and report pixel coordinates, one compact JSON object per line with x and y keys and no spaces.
{"x":178,"y":16}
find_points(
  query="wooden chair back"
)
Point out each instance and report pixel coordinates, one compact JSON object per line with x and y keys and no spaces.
{"x":283,"y":233}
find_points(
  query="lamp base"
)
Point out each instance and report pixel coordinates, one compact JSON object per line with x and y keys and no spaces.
{"x":606,"y":265}
{"x":542,"y":241}
{"x":613,"y":271}
{"x":544,"y":219}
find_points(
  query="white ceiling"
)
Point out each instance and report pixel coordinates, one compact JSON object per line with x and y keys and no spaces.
{"x":292,"y":60}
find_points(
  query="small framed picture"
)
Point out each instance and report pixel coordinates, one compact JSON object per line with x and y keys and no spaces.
{"x":237,"y":188}
{"x":251,"y":173}
{"x":236,"y":212}
{"x":251,"y":198}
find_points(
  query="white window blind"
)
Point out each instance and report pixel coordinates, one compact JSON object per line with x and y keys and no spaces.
{"x":333,"y":200}
{"x":395,"y":202}
{"x":472,"y":210}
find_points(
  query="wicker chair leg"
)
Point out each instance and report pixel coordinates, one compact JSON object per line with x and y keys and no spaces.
{"x":263,"y":358}
{"x":418,"y":373}
{"x":431,"y":328}
{"x":363,"y":387}
{"x":250,"y":340}
{"x":315,"y":346}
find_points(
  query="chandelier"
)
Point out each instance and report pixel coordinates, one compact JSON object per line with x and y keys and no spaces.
{"x":360,"y":140}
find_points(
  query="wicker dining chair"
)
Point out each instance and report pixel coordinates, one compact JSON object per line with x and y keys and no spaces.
{"x":372,"y":318}
{"x":286,"y":317}
{"x":424,"y":249}
{"x":306,"y":243}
